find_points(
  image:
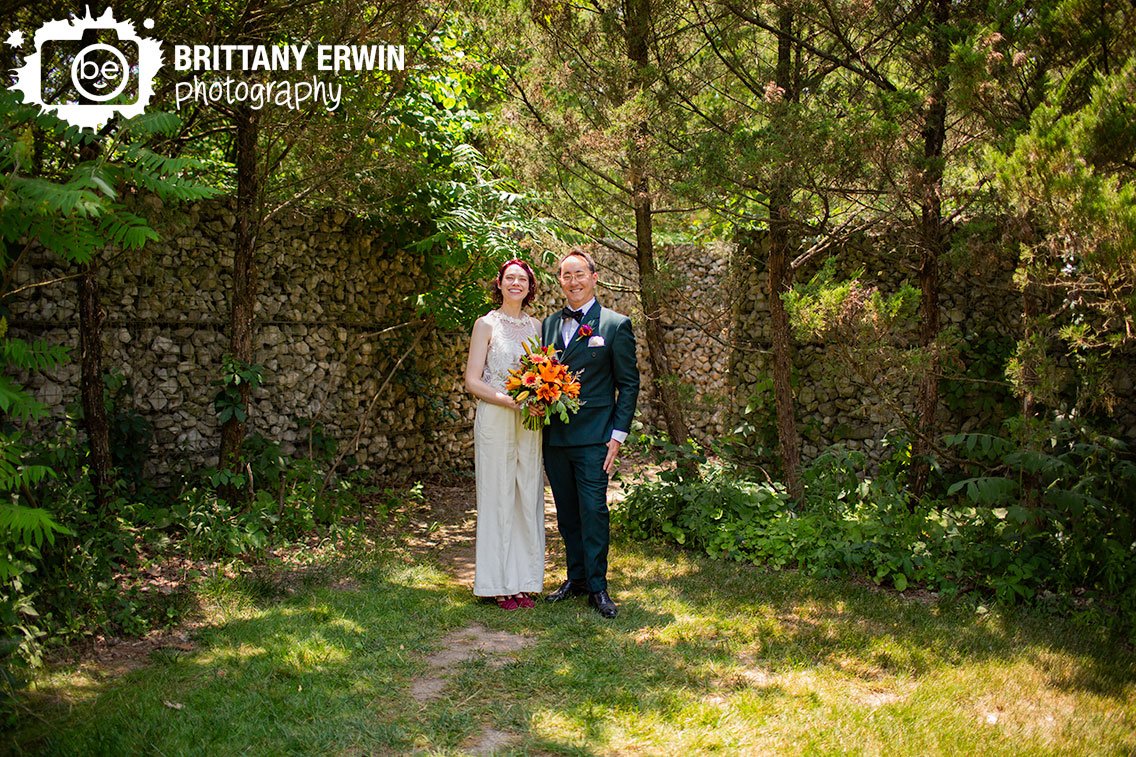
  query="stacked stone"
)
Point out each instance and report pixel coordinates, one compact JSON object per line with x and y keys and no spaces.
{"x":330,"y":290}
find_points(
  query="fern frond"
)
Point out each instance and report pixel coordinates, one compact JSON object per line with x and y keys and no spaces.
{"x":164,"y":180}
{"x":126,"y":229}
{"x":26,"y":526}
{"x":150,"y":124}
{"x":37,"y":355}
{"x":17,"y":403}
{"x":49,"y":198}
{"x":14,"y":477}
{"x":73,"y":239}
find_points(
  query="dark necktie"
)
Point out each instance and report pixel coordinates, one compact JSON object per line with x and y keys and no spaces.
{"x":570,"y":313}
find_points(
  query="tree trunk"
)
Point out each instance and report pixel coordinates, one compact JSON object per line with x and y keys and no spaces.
{"x":666,"y":392}
{"x":933,"y":243}
{"x":666,"y":396}
{"x":245,"y":284}
{"x":1027,"y":438}
{"x":780,"y":279}
{"x":91,"y":387}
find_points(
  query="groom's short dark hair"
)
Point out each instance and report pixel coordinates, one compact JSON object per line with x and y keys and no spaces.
{"x":578,"y":252}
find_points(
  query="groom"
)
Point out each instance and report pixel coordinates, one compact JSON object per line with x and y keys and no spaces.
{"x":579,"y":456}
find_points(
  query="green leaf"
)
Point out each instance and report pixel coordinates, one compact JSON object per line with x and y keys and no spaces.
{"x":28,"y":526}
{"x":987,"y":490}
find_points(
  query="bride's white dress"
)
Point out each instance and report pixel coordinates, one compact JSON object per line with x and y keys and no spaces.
{"x":510,"y":479}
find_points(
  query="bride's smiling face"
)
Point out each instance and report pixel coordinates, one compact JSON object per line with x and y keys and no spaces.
{"x":514,"y":284}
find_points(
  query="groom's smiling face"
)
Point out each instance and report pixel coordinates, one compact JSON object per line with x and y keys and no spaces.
{"x":577,"y":280}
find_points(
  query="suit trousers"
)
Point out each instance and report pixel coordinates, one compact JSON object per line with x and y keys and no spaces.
{"x":579,"y":486}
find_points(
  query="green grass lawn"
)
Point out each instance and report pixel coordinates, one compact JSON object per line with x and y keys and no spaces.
{"x":704,"y":657}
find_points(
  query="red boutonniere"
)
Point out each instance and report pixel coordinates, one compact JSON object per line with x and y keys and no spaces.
{"x":584,"y":332}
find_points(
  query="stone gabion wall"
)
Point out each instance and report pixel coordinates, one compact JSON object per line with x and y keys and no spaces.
{"x":858,"y":407}
{"x":331,"y":309}
{"x":696,"y":327}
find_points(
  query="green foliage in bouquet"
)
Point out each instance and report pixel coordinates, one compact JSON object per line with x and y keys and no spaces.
{"x":543,"y":387}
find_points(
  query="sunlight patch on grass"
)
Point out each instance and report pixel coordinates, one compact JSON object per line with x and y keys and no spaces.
{"x":1019,"y":701}
{"x":313,"y":654}
{"x":645,"y":568}
{"x":229,"y":655}
{"x":70,"y":686}
{"x":347,"y":625}
{"x":418,"y":576}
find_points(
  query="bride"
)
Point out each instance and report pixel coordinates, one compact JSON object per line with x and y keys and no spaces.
{"x":507,"y":456}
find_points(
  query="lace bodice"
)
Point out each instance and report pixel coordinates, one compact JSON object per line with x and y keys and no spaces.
{"x":505,"y":346}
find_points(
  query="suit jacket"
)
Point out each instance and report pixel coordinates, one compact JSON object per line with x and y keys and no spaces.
{"x":609,"y":377}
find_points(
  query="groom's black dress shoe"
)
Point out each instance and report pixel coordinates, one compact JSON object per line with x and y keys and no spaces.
{"x":603,"y":604}
{"x":567,"y":590}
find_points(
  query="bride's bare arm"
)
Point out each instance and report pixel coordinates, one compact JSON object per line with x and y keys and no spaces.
{"x":475,"y":366}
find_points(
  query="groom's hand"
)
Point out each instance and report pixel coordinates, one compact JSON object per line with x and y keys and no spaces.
{"x":612,"y":450}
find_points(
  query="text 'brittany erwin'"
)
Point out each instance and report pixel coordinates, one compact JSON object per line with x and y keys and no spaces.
{"x":288,"y":57}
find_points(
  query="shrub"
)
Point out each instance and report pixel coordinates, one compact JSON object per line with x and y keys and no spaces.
{"x":979,"y":537}
{"x":1060,"y":503}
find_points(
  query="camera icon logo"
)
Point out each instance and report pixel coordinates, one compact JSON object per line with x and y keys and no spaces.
{"x":87,"y":70}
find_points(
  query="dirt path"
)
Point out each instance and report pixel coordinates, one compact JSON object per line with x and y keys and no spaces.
{"x":444,"y":530}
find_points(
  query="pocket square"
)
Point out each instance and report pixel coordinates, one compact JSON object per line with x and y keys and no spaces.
{"x":596,"y":341}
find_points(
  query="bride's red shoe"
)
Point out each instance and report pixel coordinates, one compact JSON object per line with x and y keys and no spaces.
{"x":507,"y":603}
{"x":525,"y":601}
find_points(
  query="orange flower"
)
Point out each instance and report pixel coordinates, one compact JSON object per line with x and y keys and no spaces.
{"x":572,"y":389}
{"x":548,"y":392}
{"x":530,"y":380}
{"x":550,"y":372}
{"x":512,"y":383}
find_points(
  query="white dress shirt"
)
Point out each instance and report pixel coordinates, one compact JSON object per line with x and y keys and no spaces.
{"x":569,"y":326}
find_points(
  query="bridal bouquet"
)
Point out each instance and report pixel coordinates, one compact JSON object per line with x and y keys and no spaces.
{"x":543,"y":386}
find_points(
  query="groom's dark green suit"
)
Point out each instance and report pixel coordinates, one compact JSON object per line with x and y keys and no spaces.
{"x":574,"y":453}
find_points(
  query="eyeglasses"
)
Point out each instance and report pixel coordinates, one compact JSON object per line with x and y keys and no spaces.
{"x":578,"y":277}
